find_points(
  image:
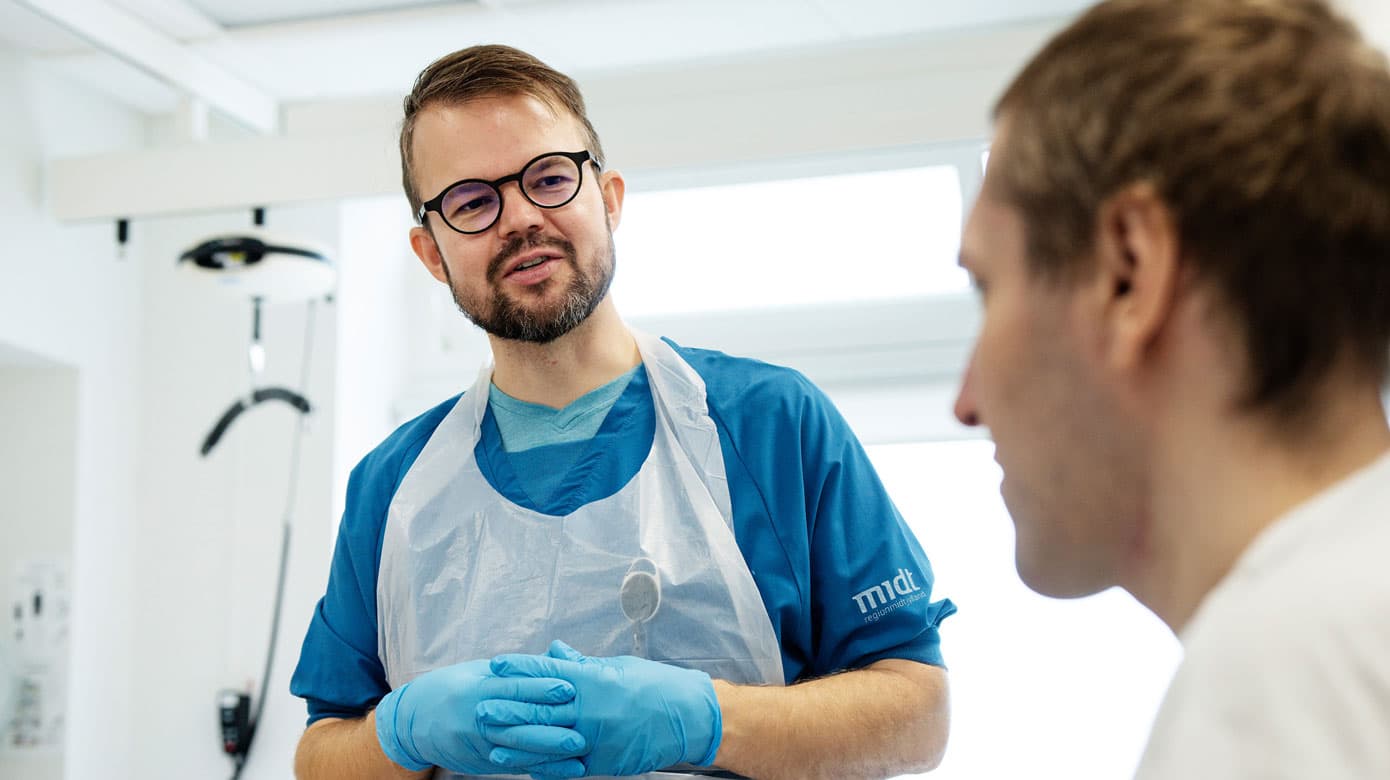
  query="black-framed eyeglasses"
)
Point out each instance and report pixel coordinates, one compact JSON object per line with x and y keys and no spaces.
{"x":474,"y":205}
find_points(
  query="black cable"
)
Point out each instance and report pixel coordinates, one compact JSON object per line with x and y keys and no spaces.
{"x":239,"y":406}
{"x":286,"y":524}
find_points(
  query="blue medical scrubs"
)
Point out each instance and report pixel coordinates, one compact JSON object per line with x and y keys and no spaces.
{"x":845,"y":583}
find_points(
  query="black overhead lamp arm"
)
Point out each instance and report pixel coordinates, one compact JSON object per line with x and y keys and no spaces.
{"x":258,"y":395}
{"x":240,"y":405}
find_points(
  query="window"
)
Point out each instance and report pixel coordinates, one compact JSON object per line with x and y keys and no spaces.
{"x":850,"y":237}
{"x":1040,"y":688}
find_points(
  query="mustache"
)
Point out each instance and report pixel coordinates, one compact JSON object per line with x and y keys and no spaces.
{"x":518,"y":244}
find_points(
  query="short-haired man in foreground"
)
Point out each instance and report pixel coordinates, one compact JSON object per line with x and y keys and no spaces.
{"x":1183,"y":248}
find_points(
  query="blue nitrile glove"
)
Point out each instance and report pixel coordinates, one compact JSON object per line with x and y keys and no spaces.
{"x":636,"y":715}
{"x":433,"y":721}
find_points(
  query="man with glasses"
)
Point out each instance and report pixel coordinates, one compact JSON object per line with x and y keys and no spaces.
{"x":613,"y":554}
{"x":1183,"y":247}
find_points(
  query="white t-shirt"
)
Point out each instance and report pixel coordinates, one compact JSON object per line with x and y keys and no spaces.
{"x":1287,"y":668}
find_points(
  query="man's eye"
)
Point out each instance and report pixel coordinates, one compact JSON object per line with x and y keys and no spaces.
{"x":552,"y":182}
{"x":473,"y":205}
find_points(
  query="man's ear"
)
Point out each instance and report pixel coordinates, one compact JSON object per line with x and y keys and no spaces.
{"x":427,"y":249}
{"x":612,"y":187}
{"x":1139,"y":257}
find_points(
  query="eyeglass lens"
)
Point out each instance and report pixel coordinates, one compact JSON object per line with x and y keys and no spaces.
{"x":549,"y":182}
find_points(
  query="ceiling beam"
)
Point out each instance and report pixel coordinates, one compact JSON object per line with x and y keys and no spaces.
{"x":265,"y":171}
{"x":176,"y":18}
{"x":663,"y":127}
{"x":134,"y":40}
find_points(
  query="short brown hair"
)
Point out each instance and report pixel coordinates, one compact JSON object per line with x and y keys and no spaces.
{"x":488,"y":71}
{"x":1264,"y":125}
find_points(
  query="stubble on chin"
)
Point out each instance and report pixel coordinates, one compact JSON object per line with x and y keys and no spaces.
{"x":539,"y":320}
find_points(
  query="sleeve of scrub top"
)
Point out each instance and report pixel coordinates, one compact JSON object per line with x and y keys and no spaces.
{"x":816,"y":525}
{"x":339,"y":673}
{"x":871,"y":582}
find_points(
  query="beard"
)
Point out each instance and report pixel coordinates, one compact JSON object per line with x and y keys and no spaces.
{"x":506,"y":317}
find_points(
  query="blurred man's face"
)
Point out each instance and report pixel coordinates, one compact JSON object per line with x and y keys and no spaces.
{"x":1034,"y":381}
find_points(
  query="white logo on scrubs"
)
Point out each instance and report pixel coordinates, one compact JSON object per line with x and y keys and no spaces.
{"x":889,"y":595}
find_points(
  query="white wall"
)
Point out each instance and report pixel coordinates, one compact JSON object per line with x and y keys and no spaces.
{"x":173,"y":557}
{"x":38,"y":459}
{"x":38,"y":405}
{"x":210,"y":528}
{"x":379,"y":328}
{"x":67,"y":299}
{"x":1374,"y":18}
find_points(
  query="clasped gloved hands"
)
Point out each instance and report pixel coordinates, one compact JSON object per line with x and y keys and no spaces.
{"x":434,"y":721}
{"x":636,"y":715}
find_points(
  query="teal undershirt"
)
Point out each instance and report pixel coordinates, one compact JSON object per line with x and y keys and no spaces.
{"x":544,"y":443}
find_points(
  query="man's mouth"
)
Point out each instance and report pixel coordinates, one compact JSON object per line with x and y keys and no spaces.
{"x":532,"y":263}
{"x":525,"y":255}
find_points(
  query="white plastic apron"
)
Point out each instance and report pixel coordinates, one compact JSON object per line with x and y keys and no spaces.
{"x":465,"y":573}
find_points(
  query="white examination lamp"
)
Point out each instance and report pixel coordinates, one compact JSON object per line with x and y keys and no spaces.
{"x":255,"y":264}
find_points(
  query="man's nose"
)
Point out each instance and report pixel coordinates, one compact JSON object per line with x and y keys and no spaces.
{"x":965,"y":409}
{"x":519,"y":215}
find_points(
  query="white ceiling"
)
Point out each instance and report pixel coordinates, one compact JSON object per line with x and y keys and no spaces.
{"x":319,"y":50}
{"x":247,"y":13}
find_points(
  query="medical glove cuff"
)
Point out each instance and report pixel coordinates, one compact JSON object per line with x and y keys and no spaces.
{"x":389,"y":735}
{"x":711,"y":715}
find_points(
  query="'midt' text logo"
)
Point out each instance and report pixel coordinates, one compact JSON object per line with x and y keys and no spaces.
{"x":886,"y":591}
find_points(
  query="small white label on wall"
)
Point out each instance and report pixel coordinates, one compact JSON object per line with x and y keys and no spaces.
{"x":35,"y":647}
